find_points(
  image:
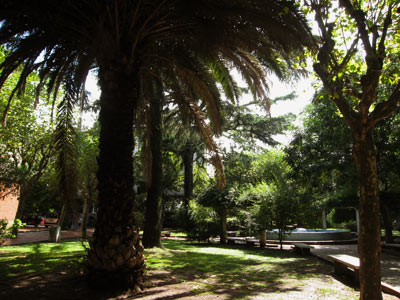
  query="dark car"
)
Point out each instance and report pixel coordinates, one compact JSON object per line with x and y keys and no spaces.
{"x":33,"y":220}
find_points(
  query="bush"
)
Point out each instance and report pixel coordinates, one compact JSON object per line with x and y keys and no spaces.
{"x":203,"y":222}
{"x":12,"y":231}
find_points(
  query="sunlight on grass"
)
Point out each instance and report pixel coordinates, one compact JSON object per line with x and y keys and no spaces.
{"x":227,"y":264}
{"x":207,"y":269}
{"x":39,"y":257}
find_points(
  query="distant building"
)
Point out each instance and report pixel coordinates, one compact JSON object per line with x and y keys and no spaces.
{"x":9,"y":195}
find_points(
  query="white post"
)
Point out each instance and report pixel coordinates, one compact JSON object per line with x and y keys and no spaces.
{"x":323,"y":219}
{"x":357,"y":220}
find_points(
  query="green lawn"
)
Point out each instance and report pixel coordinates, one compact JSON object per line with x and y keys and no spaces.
{"x":212,"y":271}
{"x":40,"y":258}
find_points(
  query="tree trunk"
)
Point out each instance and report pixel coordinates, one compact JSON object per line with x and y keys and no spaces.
{"x":387,"y":223}
{"x":153,"y":218}
{"x":369,"y":239}
{"x":263,"y":238}
{"x":24,"y":191}
{"x":187,"y":157}
{"x":223,"y":216}
{"x":84,"y":217}
{"x":115,"y":258}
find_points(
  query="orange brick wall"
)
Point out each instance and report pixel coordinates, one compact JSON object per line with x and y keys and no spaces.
{"x":8,"y":202}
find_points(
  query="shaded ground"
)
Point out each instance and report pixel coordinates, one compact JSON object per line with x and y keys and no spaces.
{"x":171,"y":285}
{"x":176,"y":274}
{"x":197,"y":272}
{"x":390,"y":263}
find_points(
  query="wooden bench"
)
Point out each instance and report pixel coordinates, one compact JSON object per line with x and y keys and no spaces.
{"x":236,"y":240}
{"x":346,"y":265}
{"x":302,"y":248}
{"x":251,"y":242}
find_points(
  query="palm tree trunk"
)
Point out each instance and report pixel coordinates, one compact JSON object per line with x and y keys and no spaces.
{"x":115,"y":258}
{"x":153,"y":219}
{"x":369,"y":239}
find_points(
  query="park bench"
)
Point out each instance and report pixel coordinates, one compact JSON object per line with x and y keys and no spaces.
{"x":346,"y":265}
{"x":302,"y":248}
{"x":251,"y":242}
{"x":235,"y":240}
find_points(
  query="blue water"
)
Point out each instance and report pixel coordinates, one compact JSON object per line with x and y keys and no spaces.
{"x":310,"y":230}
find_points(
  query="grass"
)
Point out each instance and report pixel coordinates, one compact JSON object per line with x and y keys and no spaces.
{"x":243,"y":272}
{"x":203,"y":269}
{"x":40,"y":258}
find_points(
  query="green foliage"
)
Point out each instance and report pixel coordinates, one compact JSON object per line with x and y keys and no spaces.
{"x":320,"y":155}
{"x":219,"y":199}
{"x":10,"y":231}
{"x":203,"y":222}
{"x":249,"y":129}
{"x":3,"y":228}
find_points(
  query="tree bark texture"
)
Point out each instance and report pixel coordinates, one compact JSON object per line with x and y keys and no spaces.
{"x":153,"y":218}
{"x":223,"y":217}
{"x":115,"y":258}
{"x":263,"y":238}
{"x":369,"y":239}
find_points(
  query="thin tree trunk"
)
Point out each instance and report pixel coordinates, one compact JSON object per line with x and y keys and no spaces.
{"x":84,"y":217}
{"x":187,"y":157}
{"x":21,"y":202}
{"x":153,"y":218}
{"x":115,"y":258}
{"x":369,"y":239}
{"x":263,"y":238}
{"x":223,"y":217}
{"x":387,"y":223}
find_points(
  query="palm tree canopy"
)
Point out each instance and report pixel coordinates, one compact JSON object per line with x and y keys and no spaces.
{"x":67,"y":38}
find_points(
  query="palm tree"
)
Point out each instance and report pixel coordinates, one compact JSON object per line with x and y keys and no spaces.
{"x":63,"y":40}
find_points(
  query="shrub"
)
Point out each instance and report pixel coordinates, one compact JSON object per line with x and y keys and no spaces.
{"x":12,"y":231}
{"x":203,"y":222}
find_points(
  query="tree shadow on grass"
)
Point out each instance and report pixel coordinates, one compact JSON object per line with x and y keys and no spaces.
{"x":182,"y":270}
{"x":246,"y":274}
{"x":25,"y":264}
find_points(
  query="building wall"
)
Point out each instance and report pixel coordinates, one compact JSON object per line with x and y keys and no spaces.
{"x":9,"y":202}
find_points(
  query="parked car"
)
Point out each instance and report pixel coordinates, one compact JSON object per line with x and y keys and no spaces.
{"x":33,"y":220}
{"x":50,"y":219}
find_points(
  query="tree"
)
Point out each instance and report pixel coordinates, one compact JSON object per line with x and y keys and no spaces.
{"x":153,"y":217}
{"x":273,"y":199}
{"x":25,"y":145}
{"x":320,"y":155}
{"x":249,"y":128}
{"x":354,"y":83}
{"x":123,"y":38}
{"x":88,"y":150}
{"x":221,"y":201}
{"x":65,"y":138}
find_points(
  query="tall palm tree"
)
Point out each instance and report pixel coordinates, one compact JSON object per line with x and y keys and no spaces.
{"x":185,"y":77}
{"x":64,"y":39}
